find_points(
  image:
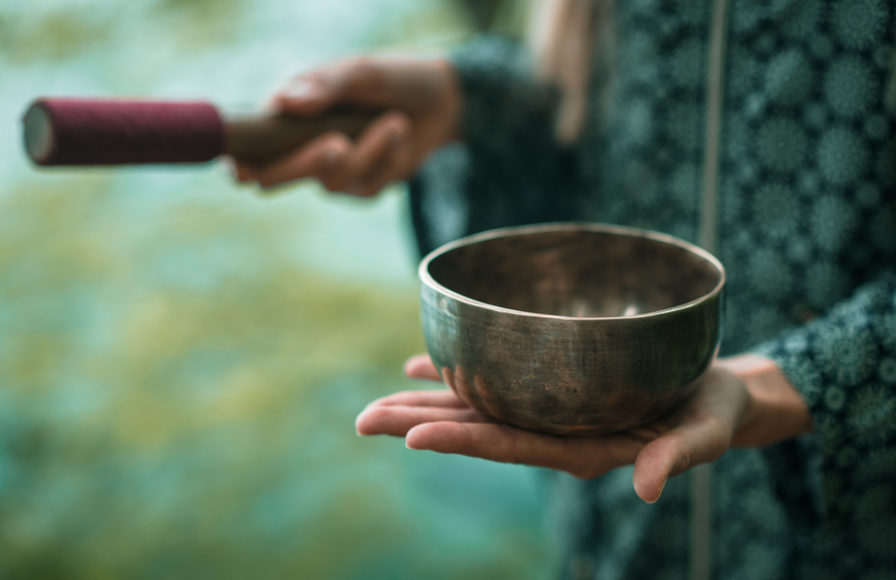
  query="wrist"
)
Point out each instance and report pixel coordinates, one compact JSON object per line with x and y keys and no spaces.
{"x":776,"y":411}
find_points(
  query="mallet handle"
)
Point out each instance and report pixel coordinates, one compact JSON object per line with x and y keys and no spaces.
{"x":261,"y":136}
{"x":67,"y":131}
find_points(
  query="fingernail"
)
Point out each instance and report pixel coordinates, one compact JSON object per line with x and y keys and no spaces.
{"x":408,"y":437}
{"x":660,"y":493}
{"x":332,"y":155}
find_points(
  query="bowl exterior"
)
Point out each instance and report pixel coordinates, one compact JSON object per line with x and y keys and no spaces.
{"x":570,"y":375}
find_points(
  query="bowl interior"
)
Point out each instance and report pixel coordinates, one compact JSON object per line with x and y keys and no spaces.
{"x":578,"y":272}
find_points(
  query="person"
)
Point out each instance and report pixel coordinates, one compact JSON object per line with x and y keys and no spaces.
{"x":766,"y":130}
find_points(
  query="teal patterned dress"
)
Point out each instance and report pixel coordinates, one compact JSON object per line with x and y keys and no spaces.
{"x":806,"y":227}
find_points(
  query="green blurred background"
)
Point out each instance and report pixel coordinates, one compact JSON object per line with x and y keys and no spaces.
{"x":181,"y":360}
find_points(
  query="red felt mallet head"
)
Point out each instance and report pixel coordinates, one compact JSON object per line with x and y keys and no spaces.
{"x":66,"y":131}
{"x":79,"y":131}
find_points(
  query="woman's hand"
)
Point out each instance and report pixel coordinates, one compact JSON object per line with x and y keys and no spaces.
{"x":419,"y":102}
{"x":741,"y":402}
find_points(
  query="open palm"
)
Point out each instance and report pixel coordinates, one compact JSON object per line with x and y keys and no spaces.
{"x":699,"y":432}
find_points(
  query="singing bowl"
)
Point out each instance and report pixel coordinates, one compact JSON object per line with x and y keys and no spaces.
{"x":572,"y":328}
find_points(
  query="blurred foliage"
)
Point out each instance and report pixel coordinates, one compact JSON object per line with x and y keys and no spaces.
{"x":224,"y":379}
{"x":180,"y":404}
{"x":51,"y":34}
{"x":506,"y":17}
{"x":181,"y":362}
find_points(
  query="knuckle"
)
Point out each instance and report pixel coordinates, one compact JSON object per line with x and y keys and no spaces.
{"x":362,"y":67}
{"x":400,"y":122}
{"x":335,"y":142}
{"x":333,"y":165}
{"x":361,"y":74}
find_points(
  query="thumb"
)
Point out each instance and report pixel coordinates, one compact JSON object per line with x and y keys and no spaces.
{"x":307,"y":94}
{"x":675,"y":452}
{"x":361,"y":81}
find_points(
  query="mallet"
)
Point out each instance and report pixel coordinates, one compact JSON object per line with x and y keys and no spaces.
{"x":78,"y":131}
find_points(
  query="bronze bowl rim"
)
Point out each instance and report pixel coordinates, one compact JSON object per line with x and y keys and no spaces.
{"x":606,"y":228}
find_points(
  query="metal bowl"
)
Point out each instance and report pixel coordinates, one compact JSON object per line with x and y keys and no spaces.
{"x":572,"y":328}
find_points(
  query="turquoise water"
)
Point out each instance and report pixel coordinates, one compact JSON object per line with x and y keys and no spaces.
{"x":181,"y":360}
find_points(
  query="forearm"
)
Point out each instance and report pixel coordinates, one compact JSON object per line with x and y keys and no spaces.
{"x":776,"y":411}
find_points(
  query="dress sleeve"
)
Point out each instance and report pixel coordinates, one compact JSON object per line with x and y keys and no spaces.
{"x":506,"y":111}
{"x":509,"y":168}
{"x":844,"y":365}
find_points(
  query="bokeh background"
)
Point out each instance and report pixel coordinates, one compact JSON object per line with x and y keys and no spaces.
{"x":181,"y":359}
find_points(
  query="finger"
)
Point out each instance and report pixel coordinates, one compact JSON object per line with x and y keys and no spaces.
{"x":398,"y":419}
{"x":305,"y":94}
{"x":320,"y":158}
{"x":705,"y":427}
{"x":582,"y":457}
{"x":421,"y":367}
{"x":675,"y":452}
{"x":377,"y":158}
{"x":357,"y":81}
{"x":655,"y":465}
{"x":241,"y":172}
{"x":441,"y":398}
{"x":396,"y":160}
